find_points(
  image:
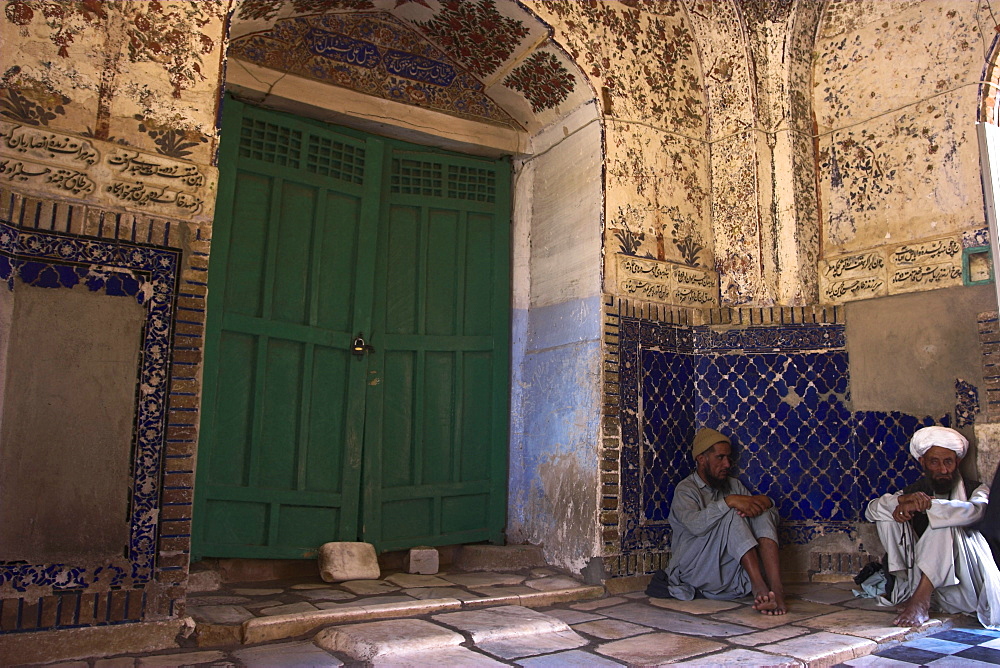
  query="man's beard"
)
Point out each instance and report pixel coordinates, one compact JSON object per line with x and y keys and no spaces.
{"x":721,"y":484}
{"x":942,"y":484}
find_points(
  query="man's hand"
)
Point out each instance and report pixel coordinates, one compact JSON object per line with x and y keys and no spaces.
{"x":909,"y":505}
{"x":748,"y":506}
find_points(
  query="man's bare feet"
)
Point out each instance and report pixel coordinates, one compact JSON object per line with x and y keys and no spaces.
{"x":769,"y":604}
{"x":914,"y":611}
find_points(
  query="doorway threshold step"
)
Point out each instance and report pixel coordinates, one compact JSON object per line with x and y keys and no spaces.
{"x":280,"y":627}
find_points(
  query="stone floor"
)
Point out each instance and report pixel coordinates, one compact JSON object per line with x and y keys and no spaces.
{"x":540,"y":618}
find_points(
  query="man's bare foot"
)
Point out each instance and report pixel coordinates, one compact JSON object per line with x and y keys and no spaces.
{"x":769,"y":604}
{"x":914,"y":611}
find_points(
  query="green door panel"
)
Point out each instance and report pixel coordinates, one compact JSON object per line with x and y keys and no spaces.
{"x":322,"y":233}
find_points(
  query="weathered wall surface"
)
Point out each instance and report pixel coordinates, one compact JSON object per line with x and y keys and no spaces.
{"x":555,"y":402}
{"x":643,"y":60}
{"x":898,"y":159}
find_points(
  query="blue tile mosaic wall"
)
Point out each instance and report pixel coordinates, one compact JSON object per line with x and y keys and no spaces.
{"x":130,"y":270}
{"x":780,"y":393}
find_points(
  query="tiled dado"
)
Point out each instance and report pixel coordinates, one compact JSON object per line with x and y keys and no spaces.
{"x":160,"y":263}
{"x":776,"y":381}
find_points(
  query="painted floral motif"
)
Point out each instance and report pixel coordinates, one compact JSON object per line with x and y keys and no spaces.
{"x":685,"y":236}
{"x":543,"y":80}
{"x":268,"y":9}
{"x":475,"y":33}
{"x":172,"y":38}
{"x":28,"y":101}
{"x":645,"y":60}
{"x":863,"y":165}
{"x":65,"y":20}
{"x":170,"y":141}
{"x":372,"y":54}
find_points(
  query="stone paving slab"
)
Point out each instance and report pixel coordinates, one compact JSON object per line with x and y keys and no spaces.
{"x":877,"y":626}
{"x":655,"y":648}
{"x":302,"y":654}
{"x":367,"y":641}
{"x":611,"y":629}
{"x":368,"y":587}
{"x":573,"y":616}
{"x":410,"y":580}
{"x":822,"y":649}
{"x":442,"y":592}
{"x":744,"y":657}
{"x":459,"y":657}
{"x":290,"y":609}
{"x":220,"y":614}
{"x":483,"y":579}
{"x":507,"y":621}
{"x":599,"y":603}
{"x":532,"y":644}
{"x":798,"y":610}
{"x":698,"y":606}
{"x":768,"y":636}
{"x":668,"y":620}
{"x":175,"y":659}
{"x":552,"y":583}
{"x":325,"y":594}
{"x":571,"y":659}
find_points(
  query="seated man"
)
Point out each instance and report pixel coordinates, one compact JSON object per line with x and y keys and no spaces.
{"x":722,"y":534}
{"x":933,"y":553}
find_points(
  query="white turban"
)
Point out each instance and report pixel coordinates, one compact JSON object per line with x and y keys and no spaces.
{"x":926,"y":438}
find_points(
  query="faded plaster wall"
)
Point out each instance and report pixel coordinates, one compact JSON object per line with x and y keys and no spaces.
{"x":555,"y":403}
{"x":69,"y":414}
{"x":643,"y":60}
{"x":897,"y":152}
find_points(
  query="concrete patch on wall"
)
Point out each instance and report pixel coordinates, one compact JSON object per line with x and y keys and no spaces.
{"x":56,"y":437}
{"x":906,"y":351}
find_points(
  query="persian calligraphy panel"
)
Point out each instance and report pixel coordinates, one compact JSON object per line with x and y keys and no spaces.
{"x":67,"y":166}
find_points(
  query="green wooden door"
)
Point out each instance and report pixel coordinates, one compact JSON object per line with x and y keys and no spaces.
{"x":322,"y":233}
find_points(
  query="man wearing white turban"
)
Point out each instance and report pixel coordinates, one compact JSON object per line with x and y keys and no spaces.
{"x":933,"y":553}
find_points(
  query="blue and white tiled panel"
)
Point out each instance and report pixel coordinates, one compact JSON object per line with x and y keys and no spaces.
{"x":779,"y":393}
{"x":114,"y":268}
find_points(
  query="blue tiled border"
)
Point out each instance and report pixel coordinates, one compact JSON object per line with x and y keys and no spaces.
{"x":117,"y":268}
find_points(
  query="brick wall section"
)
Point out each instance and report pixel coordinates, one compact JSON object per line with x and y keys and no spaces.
{"x":163,"y":595}
{"x":989,"y":344}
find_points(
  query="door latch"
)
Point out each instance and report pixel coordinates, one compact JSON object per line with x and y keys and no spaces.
{"x":359,"y":347}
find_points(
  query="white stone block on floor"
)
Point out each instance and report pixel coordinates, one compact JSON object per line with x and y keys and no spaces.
{"x":300,"y":654}
{"x":342,"y":561}
{"x":179,"y":659}
{"x":423,"y":560}
{"x":370,"y":640}
{"x":553,"y":583}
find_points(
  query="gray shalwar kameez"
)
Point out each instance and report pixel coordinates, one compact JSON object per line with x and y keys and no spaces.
{"x":710,"y":538}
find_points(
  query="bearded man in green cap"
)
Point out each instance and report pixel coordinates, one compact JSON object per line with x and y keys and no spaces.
{"x":725,"y":539}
